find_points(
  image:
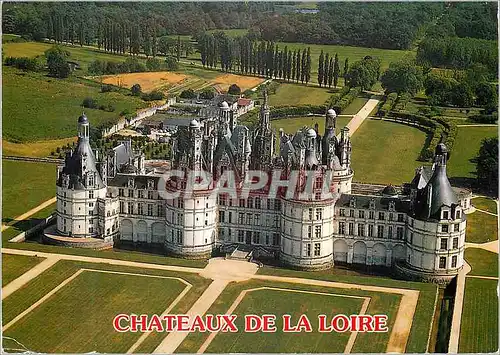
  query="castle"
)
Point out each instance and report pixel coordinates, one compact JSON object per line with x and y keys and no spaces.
{"x":417,"y":229}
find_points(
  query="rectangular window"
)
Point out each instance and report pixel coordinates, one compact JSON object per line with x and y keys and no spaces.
{"x":159,"y":210}
{"x":361,"y":230}
{"x":150,"y":195}
{"x":241,"y":217}
{"x":399,"y":232}
{"x":222,"y":216}
{"x":317,"y":249}
{"x":91,"y":194}
{"x":267,"y":239}
{"x":276,"y":239}
{"x":130,"y":193}
{"x":310,"y":214}
{"x":389,"y":232}
{"x":150,"y":209}
{"x":241,"y":236}
{"x":319,"y":214}
{"x":317,"y":232}
{"x":444,"y":228}
{"x":249,"y":218}
{"x":400,"y":217}
{"x":122,"y":207}
{"x":361,"y":214}
{"x":341,"y":228}
{"x":445,"y":215}
{"x":454,"y":261}
{"x":140,"y":209}
{"x":256,"y":237}
{"x":455,"y":243}
{"x":230,"y":217}
{"x":370,"y":230}
{"x":442,"y":262}
{"x":141,"y":193}
{"x":351,"y":228}
{"x":381,"y":216}
{"x":250,"y":202}
{"x":277,"y":204}
{"x":458,"y":214}
{"x":256,"y":219}
{"x":342,"y":212}
{"x":371,"y":215}
{"x":308,"y":249}
{"x":380,"y":231}
{"x":456,"y":227}
{"x":351,"y":213}
{"x":268,"y":204}
{"x":444,"y":243}
{"x":257,"y":202}
{"x":121,"y":192}
{"x":309,"y":232}
{"x":242,"y":202}
{"x":391,"y":216}
{"x":130,"y":208}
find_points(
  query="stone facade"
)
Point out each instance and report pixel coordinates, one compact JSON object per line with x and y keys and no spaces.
{"x":419,"y":228}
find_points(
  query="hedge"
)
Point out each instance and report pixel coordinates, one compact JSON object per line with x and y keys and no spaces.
{"x":483,"y":118}
{"x":388,"y":104}
{"x":401,"y":102}
{"x":346,"y":100}
{"x":332,"y":100}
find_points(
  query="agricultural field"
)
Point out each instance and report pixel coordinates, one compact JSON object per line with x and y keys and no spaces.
{"x":479,"y":327}
{"x":466,"y":147}
{"x":25,"y":186}
{"x":297,"y":94}
{"x":83,"y":306}
{"x":482,"y":262}
{"x":292,"y":125}
{"x":35,"y":149}
{"x":485,"y":204}
{"x":51,"y":111}
{"x":386,"y":152}
{"x":481,"y":227}
{"x":14,"y":266}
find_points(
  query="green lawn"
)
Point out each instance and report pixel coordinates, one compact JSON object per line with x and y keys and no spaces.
{"x":14,"y":266}
{"x":25,"y":186}
{"x":36,"y":107}
{"x":485,"y":204}
{"x":479,"y":327}
{"x":466,"y":147}
{"x":356,"y":105}
{"x":417,"y":342}
{"x":481,"y":227}
{"x":296,"y":94}
{"x":276,"y":302}
{"x":386,"y":152}
{"x":482,"y":262}
{"x":292,"y":125}
{"x":88,"y":304}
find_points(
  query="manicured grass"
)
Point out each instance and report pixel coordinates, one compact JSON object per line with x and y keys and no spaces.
{"x":479,"y":327}
{"x":466,"y":147}
{"x":485,"y":204}
{"x":481,"y":228}
{"x":275,"y":302}
{"x":25,"y":186}
{"x":88,"y":305}
{"x":37,"y":149}
{"x":421,"y":326}
{"x":292,"y":125}
{"x":51,"y":110}
{"x":296,"y":94}
{"x":482,"y":262}
{"x":233,"y":32}
{"x":386,"y":152}
{"x":356,"y":105}
{"x":14,"y":266}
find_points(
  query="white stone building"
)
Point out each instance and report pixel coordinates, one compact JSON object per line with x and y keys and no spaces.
{"x":418,"y":229}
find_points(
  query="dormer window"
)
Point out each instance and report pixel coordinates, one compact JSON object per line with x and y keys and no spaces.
{"x":352,"y":203}
{"x":392,"y":206}
{"x":372,"y":204}
{"x":458,"y":214}
{"x":445,"y":214}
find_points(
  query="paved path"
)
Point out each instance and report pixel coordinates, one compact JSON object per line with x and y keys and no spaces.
{"x":29,"y":213}
{"x":477,"y":125}
{"x":490,"y":246}
{"x":457,"y":310}
{"x":362,"y":114}
{"x":482,"y":277}
{"x":490,"y":213}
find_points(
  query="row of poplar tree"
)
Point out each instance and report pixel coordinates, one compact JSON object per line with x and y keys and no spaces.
{"x":329,"y":70}
{"x":254,"y":57}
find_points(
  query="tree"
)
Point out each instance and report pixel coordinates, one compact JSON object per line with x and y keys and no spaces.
{"x":320,"y":68}
{"x":346,"y":69}
{"x":153,"y":64}
{"x":294,"y":65}
{"x":234,"y":90}
{"x":136,"y":90}
{"x":171,"y":64}
{"x":330,"y":73}
{"x":188,"y":94}
{"x":336,"y":70}
{"x":364,"y":73}
{"x":178,"y":48}
{"x":486,"y":95}
{"x":487,"y":164}
{"x":403,"y":76}
{"x":462,"y":95}
{"x":308,"y":65}
{"x":207,"y":93}
{"x":56,"y":61}
{"x":326,"y":68}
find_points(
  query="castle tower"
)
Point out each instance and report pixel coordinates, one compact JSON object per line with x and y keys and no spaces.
{"x":436,"y":228}
{"x":79,"y":187}
{"x":264,"y":140}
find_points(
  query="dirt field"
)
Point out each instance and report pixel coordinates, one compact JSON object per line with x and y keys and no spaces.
{"x":244,"y":82}
{"x":148,"y":81}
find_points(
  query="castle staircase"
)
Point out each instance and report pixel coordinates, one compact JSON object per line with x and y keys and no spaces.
{"x":242,"y":252}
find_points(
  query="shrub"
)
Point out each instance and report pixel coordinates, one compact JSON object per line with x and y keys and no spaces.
{"x":153,"y":64}
{"x":388,"y":104}
{"x":136,"y":90}
{"x":346,"y":100}
{"x":402,"y":101}
{"x":207,"y":93}
{"x":89,"y":102}
{"x":108,"y":88}
{"x":188,"y":94}
{"x":24,"y":63}
{"x":234,"y":90}
{"x":171,"y":63}
{"x":153,"y":96}
{"x":483,"y":118}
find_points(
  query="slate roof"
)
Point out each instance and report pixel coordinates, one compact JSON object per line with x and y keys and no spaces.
{"x":141,"y":181}
{"x":381,"y":203}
